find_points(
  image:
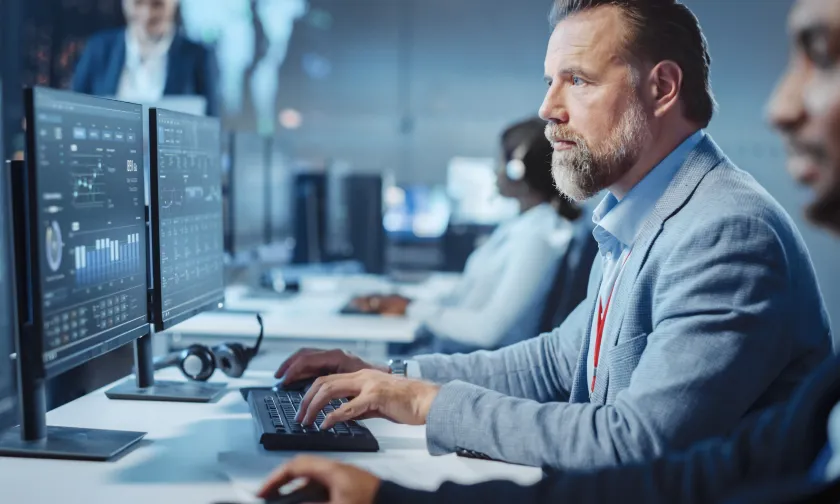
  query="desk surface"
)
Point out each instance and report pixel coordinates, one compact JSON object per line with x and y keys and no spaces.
{"x":314,"y":313}
{"x":178,"y":460}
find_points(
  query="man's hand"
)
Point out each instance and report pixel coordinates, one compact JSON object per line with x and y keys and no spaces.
{"x":375,"y":395}
{"x":345,"y":484}
{"x":393,"y":304}
{"x":309,"y":363}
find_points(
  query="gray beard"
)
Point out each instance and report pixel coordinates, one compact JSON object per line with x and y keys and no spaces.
{"x":581,"y":172}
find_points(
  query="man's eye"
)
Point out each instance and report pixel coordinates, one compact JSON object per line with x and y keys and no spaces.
{"x":577,"y":81}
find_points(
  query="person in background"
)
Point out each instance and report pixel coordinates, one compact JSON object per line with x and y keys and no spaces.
{"x":147,"y":60}
{"x":506,"y":281}
{"x":789,"y":453}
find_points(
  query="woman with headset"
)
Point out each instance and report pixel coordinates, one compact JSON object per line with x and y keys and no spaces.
{"x":502,"y":294}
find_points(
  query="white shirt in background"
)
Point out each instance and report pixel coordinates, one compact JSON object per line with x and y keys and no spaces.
{"x":144,"y":79}
{"x":505,"y":283}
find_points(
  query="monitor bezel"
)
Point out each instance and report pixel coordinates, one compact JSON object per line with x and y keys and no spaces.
{"x":35,"y":341}
{"x":154,"y":213}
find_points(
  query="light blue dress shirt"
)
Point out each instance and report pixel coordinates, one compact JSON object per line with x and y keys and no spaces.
{"x":618,"y":222}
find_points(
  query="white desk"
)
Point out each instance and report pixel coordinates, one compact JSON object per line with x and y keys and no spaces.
{"x":177,"y":461}
{"x":312,"y":318}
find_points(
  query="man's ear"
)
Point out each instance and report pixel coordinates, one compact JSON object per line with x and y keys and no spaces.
{"x":665,"y":84}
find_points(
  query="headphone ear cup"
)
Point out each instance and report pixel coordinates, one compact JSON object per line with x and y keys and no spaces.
{"x":515,"y":170}
{"x":232,"y":359}
{"x":197,"y":363}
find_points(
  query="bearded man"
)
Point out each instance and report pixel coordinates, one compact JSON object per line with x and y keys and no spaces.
{"x":702,"y":308}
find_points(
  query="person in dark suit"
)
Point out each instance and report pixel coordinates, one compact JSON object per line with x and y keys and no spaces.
{"x":147,"y":60}
{"x":784,"y":454}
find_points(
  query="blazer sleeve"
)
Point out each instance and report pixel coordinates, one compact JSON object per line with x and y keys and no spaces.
{"x":541,"y":368}
{"x":720,"y":295}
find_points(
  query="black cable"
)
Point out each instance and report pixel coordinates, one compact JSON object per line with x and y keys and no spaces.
{"x":260,"y":337}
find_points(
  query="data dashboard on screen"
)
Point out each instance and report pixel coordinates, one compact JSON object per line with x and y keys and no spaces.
{"x":188,"y":223}
{"x":88,"y":158}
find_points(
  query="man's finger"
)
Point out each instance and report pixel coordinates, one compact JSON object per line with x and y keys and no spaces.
{"x":351,"y":410}
{"x":313,"y":468}
{"x":342,"y":387}
{"x":307,"y":398}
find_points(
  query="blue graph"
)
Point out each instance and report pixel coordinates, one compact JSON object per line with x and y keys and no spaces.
{"x":108,"y":260}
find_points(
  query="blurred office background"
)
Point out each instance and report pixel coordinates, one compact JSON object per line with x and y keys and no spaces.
{"x":414,"y":90}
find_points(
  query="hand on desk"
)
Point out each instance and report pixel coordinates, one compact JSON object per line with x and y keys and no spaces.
{"x":310,"y":363}
{"x":375,"y":395}
{"x":346,"y":484}
{"x":392,"y":304}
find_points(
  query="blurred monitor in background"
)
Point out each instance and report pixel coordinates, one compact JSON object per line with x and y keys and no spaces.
{"x":280,"y":180}
{"x":416,"y":212}
{"x":148,"y":59}
{"x":471,"y":183}
{"x":247,"y":190}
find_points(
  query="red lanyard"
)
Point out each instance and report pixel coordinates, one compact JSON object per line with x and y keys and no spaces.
{"x":602,"y":321}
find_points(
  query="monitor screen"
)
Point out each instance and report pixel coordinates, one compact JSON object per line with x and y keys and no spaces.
{"x":187,"y":220}
{"x":419,"y":212}
{"x":247,"y":192}
{"x":87,"y":225}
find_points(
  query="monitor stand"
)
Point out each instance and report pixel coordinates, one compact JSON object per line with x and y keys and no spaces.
{"x":68,"y":443}
{"x":34,"y":439}
{"x":146,"y":388}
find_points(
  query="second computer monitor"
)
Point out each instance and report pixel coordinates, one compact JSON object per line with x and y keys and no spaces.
{"x":186,"y":216}
{"x":248,"y":190}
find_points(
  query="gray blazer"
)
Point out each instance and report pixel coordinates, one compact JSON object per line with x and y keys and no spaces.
{"x":718,"y":315}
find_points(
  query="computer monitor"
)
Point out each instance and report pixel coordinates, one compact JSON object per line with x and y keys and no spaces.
{"x":187,"y":235}
{"x":8,"y":328}
{"x":80,"y":250}
{"x":247,"y":192}
{"x":280,"y":200}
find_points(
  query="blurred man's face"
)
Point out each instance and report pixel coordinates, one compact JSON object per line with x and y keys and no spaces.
{"x":596,"y":120}
{"x":806,"y":105}
{"x":150,"y":18}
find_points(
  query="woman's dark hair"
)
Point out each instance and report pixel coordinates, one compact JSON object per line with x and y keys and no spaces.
{"x":526,"y":141}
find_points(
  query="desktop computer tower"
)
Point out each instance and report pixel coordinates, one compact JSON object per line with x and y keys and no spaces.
{"x":365,"y":232}
{"x":310,"y":222}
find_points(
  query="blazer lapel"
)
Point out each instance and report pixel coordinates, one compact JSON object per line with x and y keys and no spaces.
{"x":175,"y":68}
{"x":116,"y":63}
{"x":699,"y":162}
{"x":580,"y":388}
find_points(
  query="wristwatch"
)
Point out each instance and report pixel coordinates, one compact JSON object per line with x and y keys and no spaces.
{"x":398,"y":367}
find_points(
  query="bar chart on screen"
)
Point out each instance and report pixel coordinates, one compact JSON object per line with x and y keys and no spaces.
{"x":107,"y":260}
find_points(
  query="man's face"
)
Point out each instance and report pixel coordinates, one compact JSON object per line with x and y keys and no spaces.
{"x":151,"y":18}
{"x":806,"y":105}
{"x":596,"y":120}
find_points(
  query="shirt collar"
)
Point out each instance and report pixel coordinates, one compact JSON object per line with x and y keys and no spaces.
{"x":132,"y":49}
{"x":622,"y":220}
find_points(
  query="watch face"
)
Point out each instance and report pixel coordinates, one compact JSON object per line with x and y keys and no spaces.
{"x":397,"y":367}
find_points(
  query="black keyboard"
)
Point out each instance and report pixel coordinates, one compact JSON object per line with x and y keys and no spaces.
{"x":274,"y":417}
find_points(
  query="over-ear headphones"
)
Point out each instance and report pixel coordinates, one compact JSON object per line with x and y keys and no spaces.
{"x":515,"y":168}
{"x":199,"y":362}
